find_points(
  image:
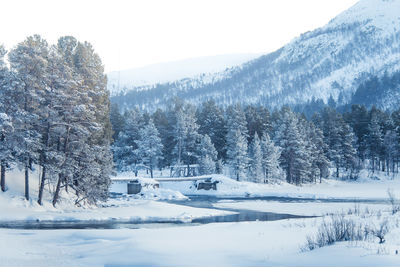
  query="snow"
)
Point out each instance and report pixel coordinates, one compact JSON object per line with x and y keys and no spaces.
{"x":329,"y":61}
{"x":383,"y":14}
{"x":303,"y":208}
{"x":144,"y":207}
{"x":229,"y":244}
{"x":172,"y":71}
{"x":273,"y":243}
{"x":365,"y":188}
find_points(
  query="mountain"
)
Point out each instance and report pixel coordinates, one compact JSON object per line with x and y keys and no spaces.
{"x":125,"y":80}
{"x":331,"y":62}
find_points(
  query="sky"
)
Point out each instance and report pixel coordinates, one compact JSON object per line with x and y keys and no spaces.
{"x":130,"y":34}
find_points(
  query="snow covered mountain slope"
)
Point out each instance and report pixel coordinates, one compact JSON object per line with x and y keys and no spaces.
{"x":170,"y":71}
{"x":334,"y":60}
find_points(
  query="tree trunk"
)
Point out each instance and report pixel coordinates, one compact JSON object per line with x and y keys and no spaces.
{"x":3,"y":176}
{"x":373,"y":165}
{"x":66,"y":184}
{"x":337,"y":172}
{"x":151,"y":171}
{"x":57,"y":192}
{"x":44,"y":161}
{"x":27,"y":179}
{"x":41,"y":188}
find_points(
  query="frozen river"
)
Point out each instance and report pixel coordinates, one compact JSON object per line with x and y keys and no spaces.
{"x":239,"y":206}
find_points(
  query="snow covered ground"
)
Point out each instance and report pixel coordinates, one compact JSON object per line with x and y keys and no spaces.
{"x":301,"y":208}
{"x":144,"y":208}
{"x":364,"y":188}
{"x":271,"y":243}
{"x":229,"y":244}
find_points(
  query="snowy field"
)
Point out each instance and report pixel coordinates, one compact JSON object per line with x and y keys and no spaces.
{"x":13,"y":206}
{"x":259,"y":243}
{"x":230,"y":244}
{"x":367,"y":187}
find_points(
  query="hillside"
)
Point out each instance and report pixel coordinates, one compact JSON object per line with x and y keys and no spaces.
{"x":331,"y":61}
{"x":125,"y":80}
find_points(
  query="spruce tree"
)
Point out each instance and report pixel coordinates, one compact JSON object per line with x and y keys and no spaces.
{"x":150,"y":146}
{"x":375,"y":141}
{"x":212,"y":123}
{"x":7,"y":108}
{"x":28,"y":63}
{"x":207,"y":156}
{"x":256,"y":160}
{"x":237,"y":154}
{"x":270,"y":159}
{"x":186,"y":135}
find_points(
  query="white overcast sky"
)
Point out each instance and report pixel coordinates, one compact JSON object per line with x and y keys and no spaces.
{"x":129,"y":34}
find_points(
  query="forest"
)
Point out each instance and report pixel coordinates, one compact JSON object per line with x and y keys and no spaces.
{"x":251,"y":143}
{"x":54,"y":118}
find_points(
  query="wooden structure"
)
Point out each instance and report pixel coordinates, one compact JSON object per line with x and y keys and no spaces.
{"x":184,"y":170}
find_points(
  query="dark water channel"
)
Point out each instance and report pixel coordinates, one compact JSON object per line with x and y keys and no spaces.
{"x":240,"y":215}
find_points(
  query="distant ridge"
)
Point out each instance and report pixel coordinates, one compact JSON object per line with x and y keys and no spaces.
{"x":331,"y":62}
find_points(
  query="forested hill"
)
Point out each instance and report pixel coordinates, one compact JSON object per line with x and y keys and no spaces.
{"x":330,"y":62}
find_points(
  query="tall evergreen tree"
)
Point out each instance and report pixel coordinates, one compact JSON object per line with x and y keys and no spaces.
{"x":258,"y":121}
{"x":186,"y":135}
{"x":150,"y":146}
{"x":237,"y":154}
{"x":375,"y":141}
{"x":117,"y":120}
{"x":212,"y":123}
{"x":125,"y":147}
{"x":28,"y":62}
{"x":6,"y":128}
{"x":256,"y":160}
{"x":270,"y":159}
{"x":293,"y":157}
{"x":207,"y":156}
{"x":165,"y":128}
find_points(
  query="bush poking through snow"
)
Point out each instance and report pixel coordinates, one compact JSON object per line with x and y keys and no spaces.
{"x":359,"y":227}
{"x":337,"y":229}
{"x":393,"y":201}
{"x":379,"y":231}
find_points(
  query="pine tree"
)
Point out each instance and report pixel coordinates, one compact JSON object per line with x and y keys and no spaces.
{"x":186,"y":135}
{"x":375,"y":140}
{"x":6,"y":130}
{"x":320,"y":160}
{"x":237,"y":154}
{"x":117,"y":120}
{"x":236,"y":140}
{"x":359,"y":123}
{"x":391,"y":144}
{"x":348,"y":151}
{"x":165,"y":128}
{"x":28,"y":62}
{"x":212,"y":123}
{"x":207,"y":156}
{"x":85,"y":136}
{"x":293,"y":157}
{"x":256,"y":159}
{"x":6,"y":127}
{"x":258,"y":121}
{"x":125,"y":147}
{"x":235,"y":120}
{"x":150,"y":146}
{"x":270,"y":159}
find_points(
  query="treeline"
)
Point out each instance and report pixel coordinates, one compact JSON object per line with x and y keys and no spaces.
{"x":54,"y":115}
{"x":253,"y":144}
